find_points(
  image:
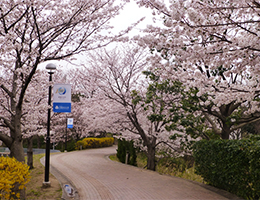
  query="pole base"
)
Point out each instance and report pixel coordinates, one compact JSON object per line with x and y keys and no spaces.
{"x":46,"y":184}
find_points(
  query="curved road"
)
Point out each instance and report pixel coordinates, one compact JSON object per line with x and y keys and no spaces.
{"x":96,"y":177}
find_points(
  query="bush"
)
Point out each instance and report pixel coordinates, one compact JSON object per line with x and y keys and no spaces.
{"x":87,"y":143}
{"x":13,"y":177}
{"x":71,"y":145}
{"x":125,"y":147}
{"x":232,"y":165}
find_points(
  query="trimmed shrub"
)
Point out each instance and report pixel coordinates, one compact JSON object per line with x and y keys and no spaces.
{"x":13,"y":177}
{"x":254,"y":172}
{"x":88,"y":143}
{"x":232,"y":165}
{"x":125,"y":147}
{"x":71,"y":145}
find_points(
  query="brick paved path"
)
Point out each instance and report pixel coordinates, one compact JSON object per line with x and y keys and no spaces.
{"x":96,"y":177}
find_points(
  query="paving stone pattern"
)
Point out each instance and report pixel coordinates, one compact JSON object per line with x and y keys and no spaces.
{"x":96,"y":177}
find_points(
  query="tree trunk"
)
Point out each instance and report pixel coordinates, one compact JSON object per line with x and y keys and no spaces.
{"x":30,"y":152}
{"x":16,"y":149}
{"x":16,"y":146}
{"x":38,"y":142}
{"x":225,"y":131}
{"x":151,"y":154}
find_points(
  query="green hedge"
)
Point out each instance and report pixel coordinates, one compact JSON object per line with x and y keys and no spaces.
{"x":232,"y":165}
{"x":124,"y":147}
{"x":88,"y":143}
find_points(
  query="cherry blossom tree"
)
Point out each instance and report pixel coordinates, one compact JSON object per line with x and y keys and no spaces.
{"x":34,"y":111}
{"x":62,"y":134}
{"x":32,"y":32}
{"x":114,"y":84}
{"x":211,"y":47}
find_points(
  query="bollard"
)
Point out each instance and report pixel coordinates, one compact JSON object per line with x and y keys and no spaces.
{"x":126,"y":157}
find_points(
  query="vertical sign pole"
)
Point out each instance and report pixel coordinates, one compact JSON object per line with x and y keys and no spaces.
{"x":47,"y":151}
{"x":66,"y":134}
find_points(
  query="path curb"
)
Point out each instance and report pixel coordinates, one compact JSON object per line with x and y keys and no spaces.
{"x":63,"y":180}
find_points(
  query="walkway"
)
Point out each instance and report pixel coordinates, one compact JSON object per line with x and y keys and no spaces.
{"x":96,"y":177}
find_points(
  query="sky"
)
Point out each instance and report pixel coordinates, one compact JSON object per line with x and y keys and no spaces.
{"x":129,"y":15}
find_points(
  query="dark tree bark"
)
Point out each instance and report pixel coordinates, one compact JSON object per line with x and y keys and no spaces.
{"x":151,"y":154}
{"x":30,"y":152}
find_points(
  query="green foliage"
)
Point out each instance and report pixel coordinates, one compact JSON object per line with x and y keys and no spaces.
{"x":191,"y":124}
{"x":88,"y":143}
{"x":219,"y":71}
{"x":151,"y":75}
{"x":71,"y":145}
{"x":75,"y":97}
{"x":125,"y":147}
{"x":232,"y":165}
{"x":136,"y":97}
{"x":182,"y":167}
{"x":172,"y":106}
{"x":38,"y":142}
{"x":160,"y":99}
{"x":250,"y":129}
{"x":176,"y":164}
{"x":141,"y":159}
{"x":121,"y":150}
{"x":194,"y":125}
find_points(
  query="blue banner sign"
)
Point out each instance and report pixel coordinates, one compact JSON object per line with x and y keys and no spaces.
{"x":70,"y":123}
{"x":61,"y":107}
{"x":62,"y":98}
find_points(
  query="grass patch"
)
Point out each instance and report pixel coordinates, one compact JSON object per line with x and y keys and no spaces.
{"x":114,"y":158}
{"x":141,"y":160}
{"x":182,"y":167}
{"x":178,"y":167}
{"x":34,"y":188}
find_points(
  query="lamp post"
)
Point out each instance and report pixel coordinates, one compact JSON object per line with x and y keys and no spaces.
{"x":66,"y":134}
{"x":51,"y":67}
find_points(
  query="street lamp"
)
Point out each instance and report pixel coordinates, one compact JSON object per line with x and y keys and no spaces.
{"x":51,"y":67}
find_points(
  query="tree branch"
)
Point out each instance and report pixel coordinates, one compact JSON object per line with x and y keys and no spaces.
{"x":213,"y":125}
{"x":7,"y":123}
{"x":243,"y":124}
{"x":179,"y":151}
{"x":6,"y":91}
{"x":6,"y":139}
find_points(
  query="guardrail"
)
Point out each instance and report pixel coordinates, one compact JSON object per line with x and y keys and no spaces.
{"x":4,"y":154}
{"x":4,"y":151}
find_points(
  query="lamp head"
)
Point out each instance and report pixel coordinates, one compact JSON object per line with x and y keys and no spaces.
{"x":50,"y":66}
